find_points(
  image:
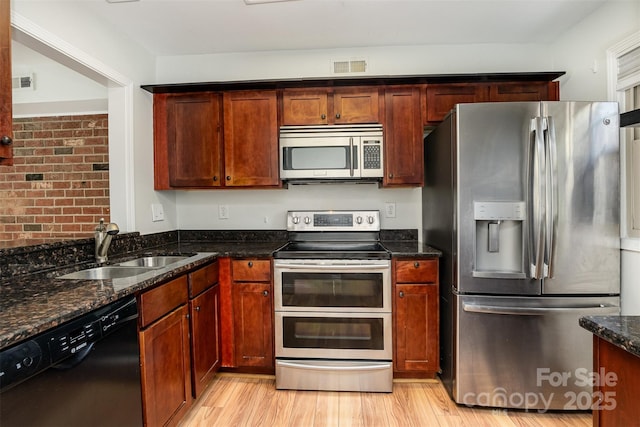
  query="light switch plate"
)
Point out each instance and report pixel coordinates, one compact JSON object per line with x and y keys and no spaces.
{"x":389,"y":210}
{"x":157,"y":212}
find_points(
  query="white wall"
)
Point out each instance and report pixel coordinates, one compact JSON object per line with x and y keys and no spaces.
{"x":55,"y":89}
{"x":82,"y":41}
{"x":581,"y":51}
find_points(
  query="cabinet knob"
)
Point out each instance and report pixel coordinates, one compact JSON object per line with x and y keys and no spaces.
{"x":265,"y":293}
{"x":323,"y":116}
{"x":390,"y":176}
{"x":250,"y":264}
{"x":416,"y":264}
{"x":338,"y":116}
{"x":6,"y":140}
{"x":401,"y":294}
{"x":198,"y":308}
{"x":228,"y":178}
{"x":215,"y":178}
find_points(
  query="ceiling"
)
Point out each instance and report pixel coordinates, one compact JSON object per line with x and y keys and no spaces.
{"x":187,"y":27}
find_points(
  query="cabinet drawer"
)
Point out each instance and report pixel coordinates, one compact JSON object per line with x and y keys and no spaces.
{"x":161,"y":300}
{"x":251,"y":270}
{"x":417,"y":271}
{"x":203,"y":279}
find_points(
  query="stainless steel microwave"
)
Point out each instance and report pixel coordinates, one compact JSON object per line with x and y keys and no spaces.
{"x":331,"y":152}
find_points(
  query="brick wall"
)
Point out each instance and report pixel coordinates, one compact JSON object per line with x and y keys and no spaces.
{"x":58,"y":187}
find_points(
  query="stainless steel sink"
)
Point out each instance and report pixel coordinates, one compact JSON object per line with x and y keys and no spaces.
{"x":153,"y":261}
{"x":107,"y":272}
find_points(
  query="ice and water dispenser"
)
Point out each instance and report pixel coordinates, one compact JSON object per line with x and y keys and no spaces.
{"x":499,"y":239}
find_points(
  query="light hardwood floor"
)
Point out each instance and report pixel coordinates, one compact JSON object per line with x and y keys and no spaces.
{"x":240,"y":400}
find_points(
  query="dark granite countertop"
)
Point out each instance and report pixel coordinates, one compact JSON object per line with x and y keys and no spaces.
{"x":410,"y":249}
{"x":623,"y":331}
{"x":34,"y":302}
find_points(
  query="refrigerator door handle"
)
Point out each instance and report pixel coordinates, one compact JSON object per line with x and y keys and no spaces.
{"x":526,"y":311}
{"x":552,"y":195}
{"x":537,"y":197}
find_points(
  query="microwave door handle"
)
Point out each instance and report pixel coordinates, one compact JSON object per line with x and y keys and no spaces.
{"x":351,"y":156}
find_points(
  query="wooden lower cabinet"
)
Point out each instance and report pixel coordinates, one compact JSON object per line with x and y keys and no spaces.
{"x":246,"y":315}
{"x":204,"y":322}
{"x":253,"y":314}
{"x":180,"y":349}
{"x":416,"y":318}
{"x":165,"y":369}
{"x":616,"y":393}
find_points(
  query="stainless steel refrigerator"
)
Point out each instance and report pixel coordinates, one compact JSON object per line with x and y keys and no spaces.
{"x":523,"y":200}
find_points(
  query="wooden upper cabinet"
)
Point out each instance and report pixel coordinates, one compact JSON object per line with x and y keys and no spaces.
{"x":193,"y":127}
{"x":403,"y":136}
{"x":187,"y":140}
{"x":442,"y":97}
{"x":330,"y":106}
{"x":6,"y":119}
{"x":524,"y":91}
{"x":304,"y":107}
{"x":251,"y":138}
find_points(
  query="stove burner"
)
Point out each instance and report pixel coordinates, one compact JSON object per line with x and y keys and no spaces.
{"x":333,"y":250}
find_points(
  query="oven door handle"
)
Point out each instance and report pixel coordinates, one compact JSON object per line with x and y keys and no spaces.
{"x":311,"y":366}
{"x":332,"y":267}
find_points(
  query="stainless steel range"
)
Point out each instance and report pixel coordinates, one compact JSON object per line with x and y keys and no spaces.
{"x":333,"y":304}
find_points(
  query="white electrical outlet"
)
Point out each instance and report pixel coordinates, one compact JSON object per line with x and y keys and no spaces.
{"x":157,"y":212}
{"x":389,"y":210}
{"x":223,"y":211}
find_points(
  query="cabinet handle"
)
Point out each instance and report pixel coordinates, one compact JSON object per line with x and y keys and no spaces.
{"x":401,"y":294}
{"x":250,"y":264}
{"x":338,"y":116}
{"x":6,"y":140}
{"x":390,"y":176}
{"x":265,"y":293}
{"x":323,"y":116}
{"x":228,"y":178}
{"x":416,"y":264}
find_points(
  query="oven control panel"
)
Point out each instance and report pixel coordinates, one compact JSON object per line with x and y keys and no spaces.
{"x":333,"y":221}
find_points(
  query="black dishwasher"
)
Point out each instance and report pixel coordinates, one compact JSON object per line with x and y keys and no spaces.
{"x":85,"y":372}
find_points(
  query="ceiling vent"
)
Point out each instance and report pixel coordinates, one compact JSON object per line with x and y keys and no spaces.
{"x":22,"y":82}
{"x":351,"y":66}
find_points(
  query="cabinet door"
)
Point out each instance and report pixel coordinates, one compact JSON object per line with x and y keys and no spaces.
{"x":403,"y":126}
{"x":253,"y":324}
{"x":416,"y":333}
{"x":193,"y":133}
{"x":442,"y":97}
{"x":356,"y":105}
{"x":251,"y":138}
{"x":165,"y":369}
{"x":6,"y":130}
{"x":522,"y":91}
{"x":205,"y":337}
{"x":304,"y":107}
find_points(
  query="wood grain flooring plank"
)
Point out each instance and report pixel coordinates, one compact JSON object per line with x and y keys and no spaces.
{"x":327,"y":409}
{"x":240,"y":401}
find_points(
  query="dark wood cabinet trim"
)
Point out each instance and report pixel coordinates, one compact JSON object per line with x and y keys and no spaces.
{"x":357,"y":81}
{"x":6,"y":118}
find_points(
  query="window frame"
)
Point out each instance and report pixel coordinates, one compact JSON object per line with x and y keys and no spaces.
{"x":617,"y":91}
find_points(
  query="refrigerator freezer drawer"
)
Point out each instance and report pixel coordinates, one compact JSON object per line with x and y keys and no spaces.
{"x":525,"y":352}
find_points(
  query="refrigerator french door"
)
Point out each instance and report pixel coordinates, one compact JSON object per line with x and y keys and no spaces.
{"x":523,"y":200}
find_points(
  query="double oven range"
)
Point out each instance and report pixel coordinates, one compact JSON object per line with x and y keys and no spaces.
{"x":332,"y":299}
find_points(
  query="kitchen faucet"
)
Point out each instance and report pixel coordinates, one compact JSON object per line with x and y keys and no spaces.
{"x":104,"y":234}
